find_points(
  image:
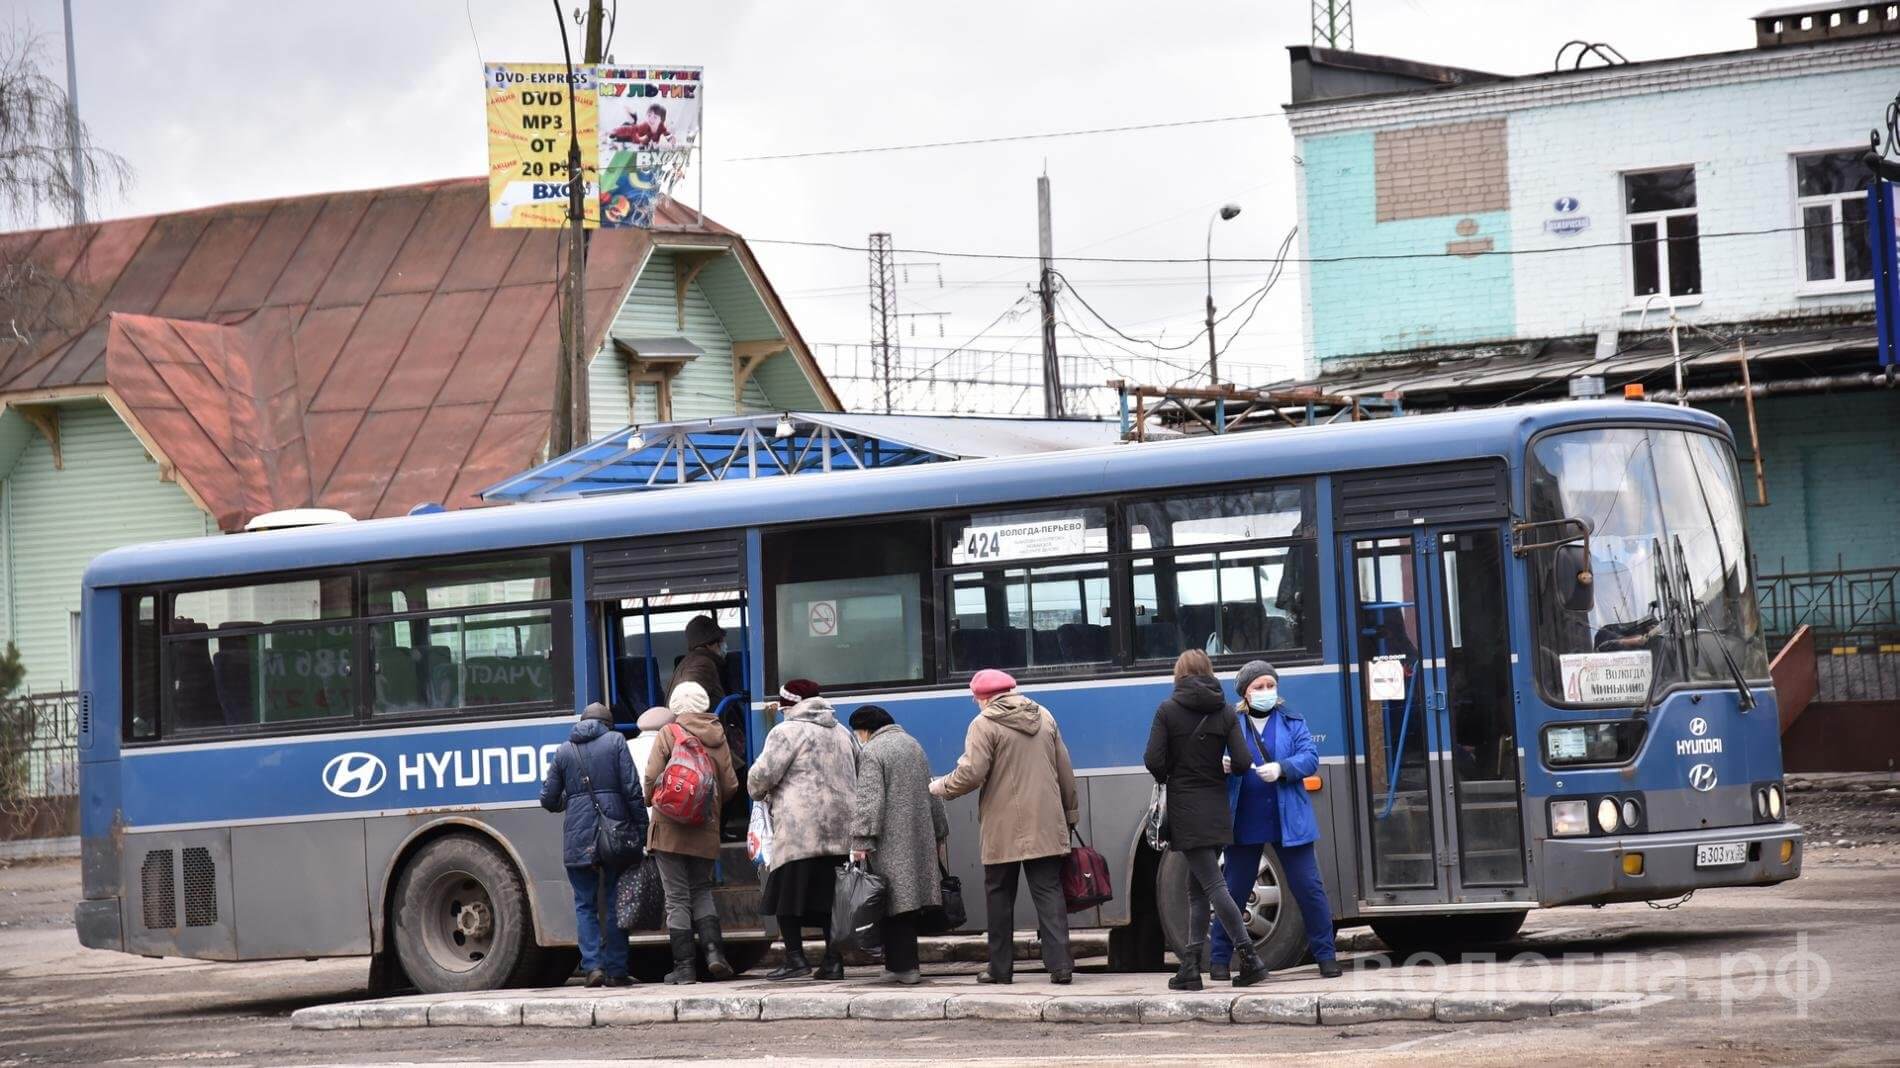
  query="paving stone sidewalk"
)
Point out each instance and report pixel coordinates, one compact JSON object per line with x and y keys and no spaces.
{"x":1093,"y":999}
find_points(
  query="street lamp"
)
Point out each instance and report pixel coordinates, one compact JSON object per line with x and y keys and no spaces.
{"x":1227,"y":211}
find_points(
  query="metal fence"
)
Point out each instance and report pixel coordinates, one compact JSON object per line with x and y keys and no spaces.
{"x":39,"y":754}
{"x":1855,"y":615}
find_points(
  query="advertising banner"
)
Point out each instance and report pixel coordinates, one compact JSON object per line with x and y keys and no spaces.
{"x":529,"y":117}
{"x":649,"y":125}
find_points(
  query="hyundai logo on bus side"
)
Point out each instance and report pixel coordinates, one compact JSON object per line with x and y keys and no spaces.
{"x":1702,"y":777}
{"x":354,"y":774}
{"x":1698,"y":726}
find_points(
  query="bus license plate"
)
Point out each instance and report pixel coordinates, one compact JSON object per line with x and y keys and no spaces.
{"x":1721,"y":854}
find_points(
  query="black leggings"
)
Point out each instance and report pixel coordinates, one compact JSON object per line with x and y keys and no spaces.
{"x":1206,"y":889}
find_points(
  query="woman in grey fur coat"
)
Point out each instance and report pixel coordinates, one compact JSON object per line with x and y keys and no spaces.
{"x":899,"y":829}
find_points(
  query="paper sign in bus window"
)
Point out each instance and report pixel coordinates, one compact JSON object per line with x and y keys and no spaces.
{"x":1606,"y":678}
{"x":1385,"y":679}
{"x":1019,"y":541}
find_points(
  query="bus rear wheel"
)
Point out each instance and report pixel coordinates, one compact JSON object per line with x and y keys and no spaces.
{"x":1446,"y":936}
{"x":461,"y":921}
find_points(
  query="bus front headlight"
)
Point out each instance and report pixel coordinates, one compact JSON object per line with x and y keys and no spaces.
{"x":1569,"y":817}
{"x":1606,"y":814}
{"x":1761,"y":803}
{"x":1774,"y":802}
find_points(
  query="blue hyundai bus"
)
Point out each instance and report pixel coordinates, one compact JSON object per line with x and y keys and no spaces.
{"x":1525,"y":640}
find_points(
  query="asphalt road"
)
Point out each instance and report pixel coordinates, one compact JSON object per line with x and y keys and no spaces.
{"x":1797,"y":973}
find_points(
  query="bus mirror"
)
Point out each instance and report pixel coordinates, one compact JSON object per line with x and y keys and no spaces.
{"x":1574,"y":581}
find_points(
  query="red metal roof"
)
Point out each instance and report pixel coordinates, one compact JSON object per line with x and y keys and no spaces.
{"x":366,"y":350}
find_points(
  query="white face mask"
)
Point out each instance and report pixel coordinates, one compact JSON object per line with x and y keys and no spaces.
{"x":1261,"y":702}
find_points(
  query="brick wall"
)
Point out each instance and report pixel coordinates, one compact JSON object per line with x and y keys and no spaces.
{"x":1571,"y":140}
{"x":1457,"y":168}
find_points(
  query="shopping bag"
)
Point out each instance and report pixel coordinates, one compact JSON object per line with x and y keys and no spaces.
{"x":1154,"y":825}
{"x":1084,"y":877}
{"x":758,"y":835}
{"x":949,"y":916}
{"x":639,"y":901}
{"x":856,"y":907}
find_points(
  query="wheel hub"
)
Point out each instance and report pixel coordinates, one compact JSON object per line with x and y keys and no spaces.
{"x":476,"y":920}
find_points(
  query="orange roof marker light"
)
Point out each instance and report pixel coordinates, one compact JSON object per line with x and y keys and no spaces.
{"x":1633,"y":391}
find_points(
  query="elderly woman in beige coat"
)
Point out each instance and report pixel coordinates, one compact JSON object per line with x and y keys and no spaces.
{"x":898,"y":830}
{"x":1013,"y":752}
{"x":686,"y":854}
{"x":806,"y":775}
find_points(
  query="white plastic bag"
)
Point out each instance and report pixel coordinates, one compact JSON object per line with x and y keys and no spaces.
{"x":758,"y":835}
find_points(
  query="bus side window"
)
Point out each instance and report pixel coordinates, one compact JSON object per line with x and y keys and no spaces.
{"x":848,"y":603}
{"x":140,"y":715}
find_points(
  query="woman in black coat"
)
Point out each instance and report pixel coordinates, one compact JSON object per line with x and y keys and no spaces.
{"x":1195,"y":729}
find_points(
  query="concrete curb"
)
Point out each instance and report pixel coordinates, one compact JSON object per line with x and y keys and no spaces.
{"x":586,"y":1009}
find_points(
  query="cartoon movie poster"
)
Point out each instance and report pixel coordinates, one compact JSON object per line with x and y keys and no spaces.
{"x":529,"y":117}
{"x":649,"y":124}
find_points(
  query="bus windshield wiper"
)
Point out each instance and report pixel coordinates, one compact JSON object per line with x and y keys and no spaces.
{"x":1696,"y":630}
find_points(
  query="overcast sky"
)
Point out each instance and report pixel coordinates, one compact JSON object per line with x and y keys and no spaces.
{"x":239,"y":100}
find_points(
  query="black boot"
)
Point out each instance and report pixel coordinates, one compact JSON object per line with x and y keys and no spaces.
{"x":1188,"y":976}
{"x":794,"y":965}
{"x":831,"y":968}
{"x":1249,"y":968}
{"x":709,"y":943}
{"x":1329,"y":969}
{"x":683,"y":971}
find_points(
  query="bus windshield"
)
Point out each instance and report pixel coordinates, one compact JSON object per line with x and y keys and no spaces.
{"x":1673,"y":600}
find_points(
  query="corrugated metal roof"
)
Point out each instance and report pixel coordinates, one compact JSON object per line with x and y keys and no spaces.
{"x":1458,"y":374}
{"x":363,"y":350}
{"x":689,"y":451}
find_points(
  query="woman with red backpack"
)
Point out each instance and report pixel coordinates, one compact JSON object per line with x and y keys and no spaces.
{"x":688,"y":777}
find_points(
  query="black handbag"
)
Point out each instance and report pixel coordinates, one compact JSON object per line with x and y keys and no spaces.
{"x":616,"y":842}
{"x":950,"y":915}
{"x":639,"y":899}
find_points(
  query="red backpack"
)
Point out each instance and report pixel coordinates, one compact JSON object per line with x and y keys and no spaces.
{"x":684,"y":793}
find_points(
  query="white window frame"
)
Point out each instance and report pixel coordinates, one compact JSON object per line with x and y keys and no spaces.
{"x":1838,"y":283}
{"x":1661,"y":219}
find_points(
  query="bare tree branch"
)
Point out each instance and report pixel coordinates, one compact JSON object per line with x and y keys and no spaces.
{"x":36,"y":142}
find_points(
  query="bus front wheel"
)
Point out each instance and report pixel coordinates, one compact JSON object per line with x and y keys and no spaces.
{"x":461,"y":919}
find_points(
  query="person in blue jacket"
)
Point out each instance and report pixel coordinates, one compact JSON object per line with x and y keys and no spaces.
{"x":599,"y":752}
{"x":1271,"y":809}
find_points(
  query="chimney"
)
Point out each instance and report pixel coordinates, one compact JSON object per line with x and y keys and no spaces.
{"x":1814,"y":23}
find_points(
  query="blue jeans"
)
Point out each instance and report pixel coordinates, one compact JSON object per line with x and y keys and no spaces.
{"x":1302,"y":882}
{"x":605,"y":950}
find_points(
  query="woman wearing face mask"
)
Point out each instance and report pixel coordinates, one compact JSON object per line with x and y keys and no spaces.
{"x":1271,"y":809}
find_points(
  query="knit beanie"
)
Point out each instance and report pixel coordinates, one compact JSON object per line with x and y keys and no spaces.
{"x":600,"y":712}
{"x":1250,"y":673}
{"x":798,"y":690}
{"x":688,"y":697}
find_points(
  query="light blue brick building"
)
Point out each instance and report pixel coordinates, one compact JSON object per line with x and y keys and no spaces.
{"x":1477,"y":239}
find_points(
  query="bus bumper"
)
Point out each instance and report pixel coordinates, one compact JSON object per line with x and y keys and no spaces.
{"x":97,"y":921}
{"x":1592,"y":871}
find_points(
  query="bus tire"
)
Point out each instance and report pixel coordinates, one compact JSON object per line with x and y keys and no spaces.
{"x":1140,"y":945}
{"x":1279,"y":931}
{"x":461,"y":919}
{"x":1446,"y":936}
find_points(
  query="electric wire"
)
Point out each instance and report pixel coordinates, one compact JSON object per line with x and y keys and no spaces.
{"x":1364,"y":257}
{"x":1046,"y":136}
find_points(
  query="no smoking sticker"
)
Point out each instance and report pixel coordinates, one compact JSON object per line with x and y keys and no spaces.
{"x":822,"y":619}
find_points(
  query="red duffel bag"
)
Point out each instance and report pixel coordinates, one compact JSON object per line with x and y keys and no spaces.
{"x":1084,"y":876}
